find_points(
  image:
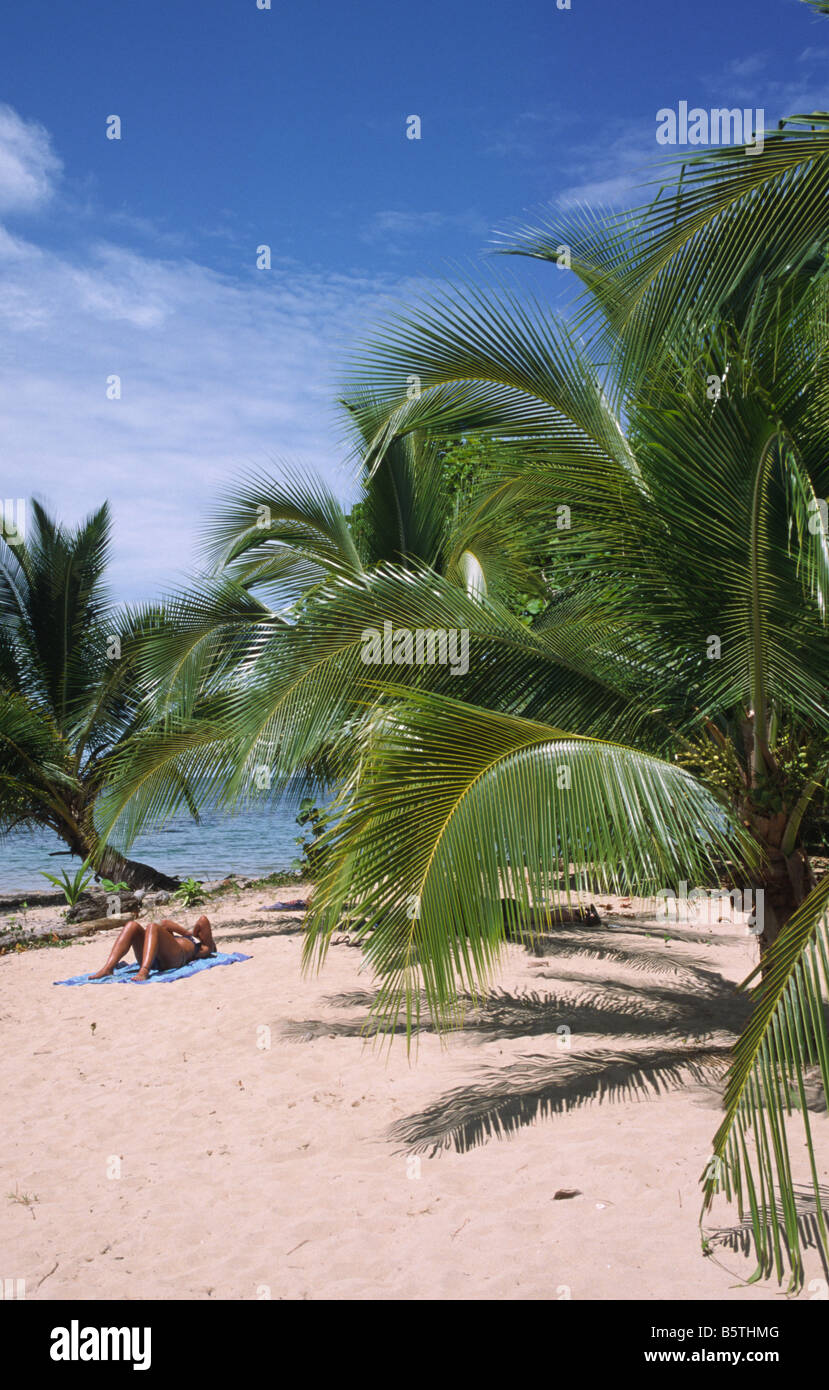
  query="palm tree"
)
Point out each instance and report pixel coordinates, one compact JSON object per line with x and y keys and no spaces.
{"x":667,"y":719}
{"x":243,"y":684}
{"x":685,"y":428}
{"x":68,"y":696}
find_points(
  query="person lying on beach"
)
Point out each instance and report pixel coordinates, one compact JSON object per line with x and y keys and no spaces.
{"x":157,"y":945}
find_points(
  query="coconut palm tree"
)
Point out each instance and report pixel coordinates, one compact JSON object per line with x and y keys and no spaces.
{"x":667,"y":447}
{"x":67,"y":686}
{"x":683,"y":425}
{"x":243,"y":687}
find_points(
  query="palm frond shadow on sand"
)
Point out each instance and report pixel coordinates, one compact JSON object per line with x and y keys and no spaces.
{"x":625,"y":946}
{"x":537,"y":1087}
{"x":676,"y":1030}
{"x":738,"y":1239}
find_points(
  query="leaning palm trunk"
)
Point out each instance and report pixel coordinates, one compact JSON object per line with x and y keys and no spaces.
{"x":115,"y":866}
{"x":110,"y":863}
{"x":70,"y":692}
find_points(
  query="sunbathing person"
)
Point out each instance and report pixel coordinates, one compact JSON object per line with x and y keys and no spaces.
{"x":158,"y":945}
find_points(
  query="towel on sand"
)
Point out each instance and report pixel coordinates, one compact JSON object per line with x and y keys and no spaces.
{"x":124,"y":972}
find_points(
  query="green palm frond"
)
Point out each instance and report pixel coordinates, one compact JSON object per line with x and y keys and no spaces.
{"x":456,"y":807}
{"x":725,"y":222}
{"x":284,"y":510}
{"x":300,"y":691}
{"x":485,"y":362}
{"x":784,"y":1046}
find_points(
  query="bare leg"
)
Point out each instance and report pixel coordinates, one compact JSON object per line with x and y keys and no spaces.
{"x":130,"y":935}
{"x":150,"y":952}
{"x":164,"y":948}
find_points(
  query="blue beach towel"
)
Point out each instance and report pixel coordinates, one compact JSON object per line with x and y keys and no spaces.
{"x":123,"y":972}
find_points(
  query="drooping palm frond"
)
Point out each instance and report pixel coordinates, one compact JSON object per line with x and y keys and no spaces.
{"x":706,"y":341}
{"x":728,"y":221}
{"x":487,"y":363}
{"x":53,"y":607}
{"x":456,"y":808}
{"x":269,"y":520}
{"x":754,"y":1159}
{"x":35,"y":770}
{"x":296,"y":694}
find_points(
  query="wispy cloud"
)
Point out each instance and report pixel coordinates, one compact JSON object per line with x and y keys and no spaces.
{"x":394,"y":227}
{"x":752,"y":82}
{"x":748,"y":66}
{"x":527,"y":134}
{"x":613,"y":170}
{"x":603,"y":166}
{"x":217,"y":373}
{"x":28,"y":165}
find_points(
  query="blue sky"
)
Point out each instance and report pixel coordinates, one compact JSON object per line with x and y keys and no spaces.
{"x":287,"y":127}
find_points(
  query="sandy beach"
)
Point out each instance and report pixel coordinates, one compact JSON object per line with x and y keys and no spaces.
{"x":231,"y":1136}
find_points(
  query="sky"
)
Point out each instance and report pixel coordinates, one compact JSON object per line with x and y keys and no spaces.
{"x":287,"y":127}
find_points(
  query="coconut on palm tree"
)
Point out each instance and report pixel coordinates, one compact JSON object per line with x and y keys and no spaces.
{"x":667,"y":719}
{"x":683,"y":420}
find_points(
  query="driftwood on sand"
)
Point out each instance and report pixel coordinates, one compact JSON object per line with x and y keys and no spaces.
{"x":61,"y":932}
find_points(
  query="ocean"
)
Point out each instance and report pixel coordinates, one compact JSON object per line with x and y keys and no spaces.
{"x":253,"y":843}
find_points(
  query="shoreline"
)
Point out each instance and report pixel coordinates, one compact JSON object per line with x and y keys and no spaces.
{"x":321,"y":1165}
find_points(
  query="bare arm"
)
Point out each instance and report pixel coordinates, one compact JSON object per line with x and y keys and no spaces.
{"x":178,"y":930}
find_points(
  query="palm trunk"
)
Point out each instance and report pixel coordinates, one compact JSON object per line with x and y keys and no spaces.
{"x":786,"y":880}
{"x":109,"y":863}
{"x":131,"y":871}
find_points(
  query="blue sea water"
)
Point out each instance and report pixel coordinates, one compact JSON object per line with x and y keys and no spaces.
{"x":252,"y":843}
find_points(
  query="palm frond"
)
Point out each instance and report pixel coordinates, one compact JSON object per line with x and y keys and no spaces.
{"x":784,"y":1045}
{"x":456,"y":807}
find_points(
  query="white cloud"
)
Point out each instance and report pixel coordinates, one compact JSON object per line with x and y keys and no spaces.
{"x":747,"y":67}
{"x":613,"y":171}
{"x":28,"y":165}
{"x":391,"y":227}
{"x":217,"y":375}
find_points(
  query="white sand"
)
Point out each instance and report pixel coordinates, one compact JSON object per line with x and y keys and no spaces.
{"x":252,"y":1171}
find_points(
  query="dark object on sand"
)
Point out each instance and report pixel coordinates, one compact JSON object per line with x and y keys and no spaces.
{"x":565,"y":1192}
{"x":520,"y":924}
{"x":91,"y":907}
{"x":299,"y":905}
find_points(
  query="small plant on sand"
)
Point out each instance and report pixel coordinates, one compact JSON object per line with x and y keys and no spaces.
{"x":23,"y":1199}
{"x":72,"y":887}
{"x":190,"y":893}
{"x":110,"y":887}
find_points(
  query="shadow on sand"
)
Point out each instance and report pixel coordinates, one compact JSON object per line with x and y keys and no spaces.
{"x":676,"y":1031}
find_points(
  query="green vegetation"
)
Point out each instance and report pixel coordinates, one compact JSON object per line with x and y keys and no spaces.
{"x":316,"y":821}
{"x":72,"y":885}
{"x":68,"y":693}
{"x":190,"y":893}
{"x":625,"y":511}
